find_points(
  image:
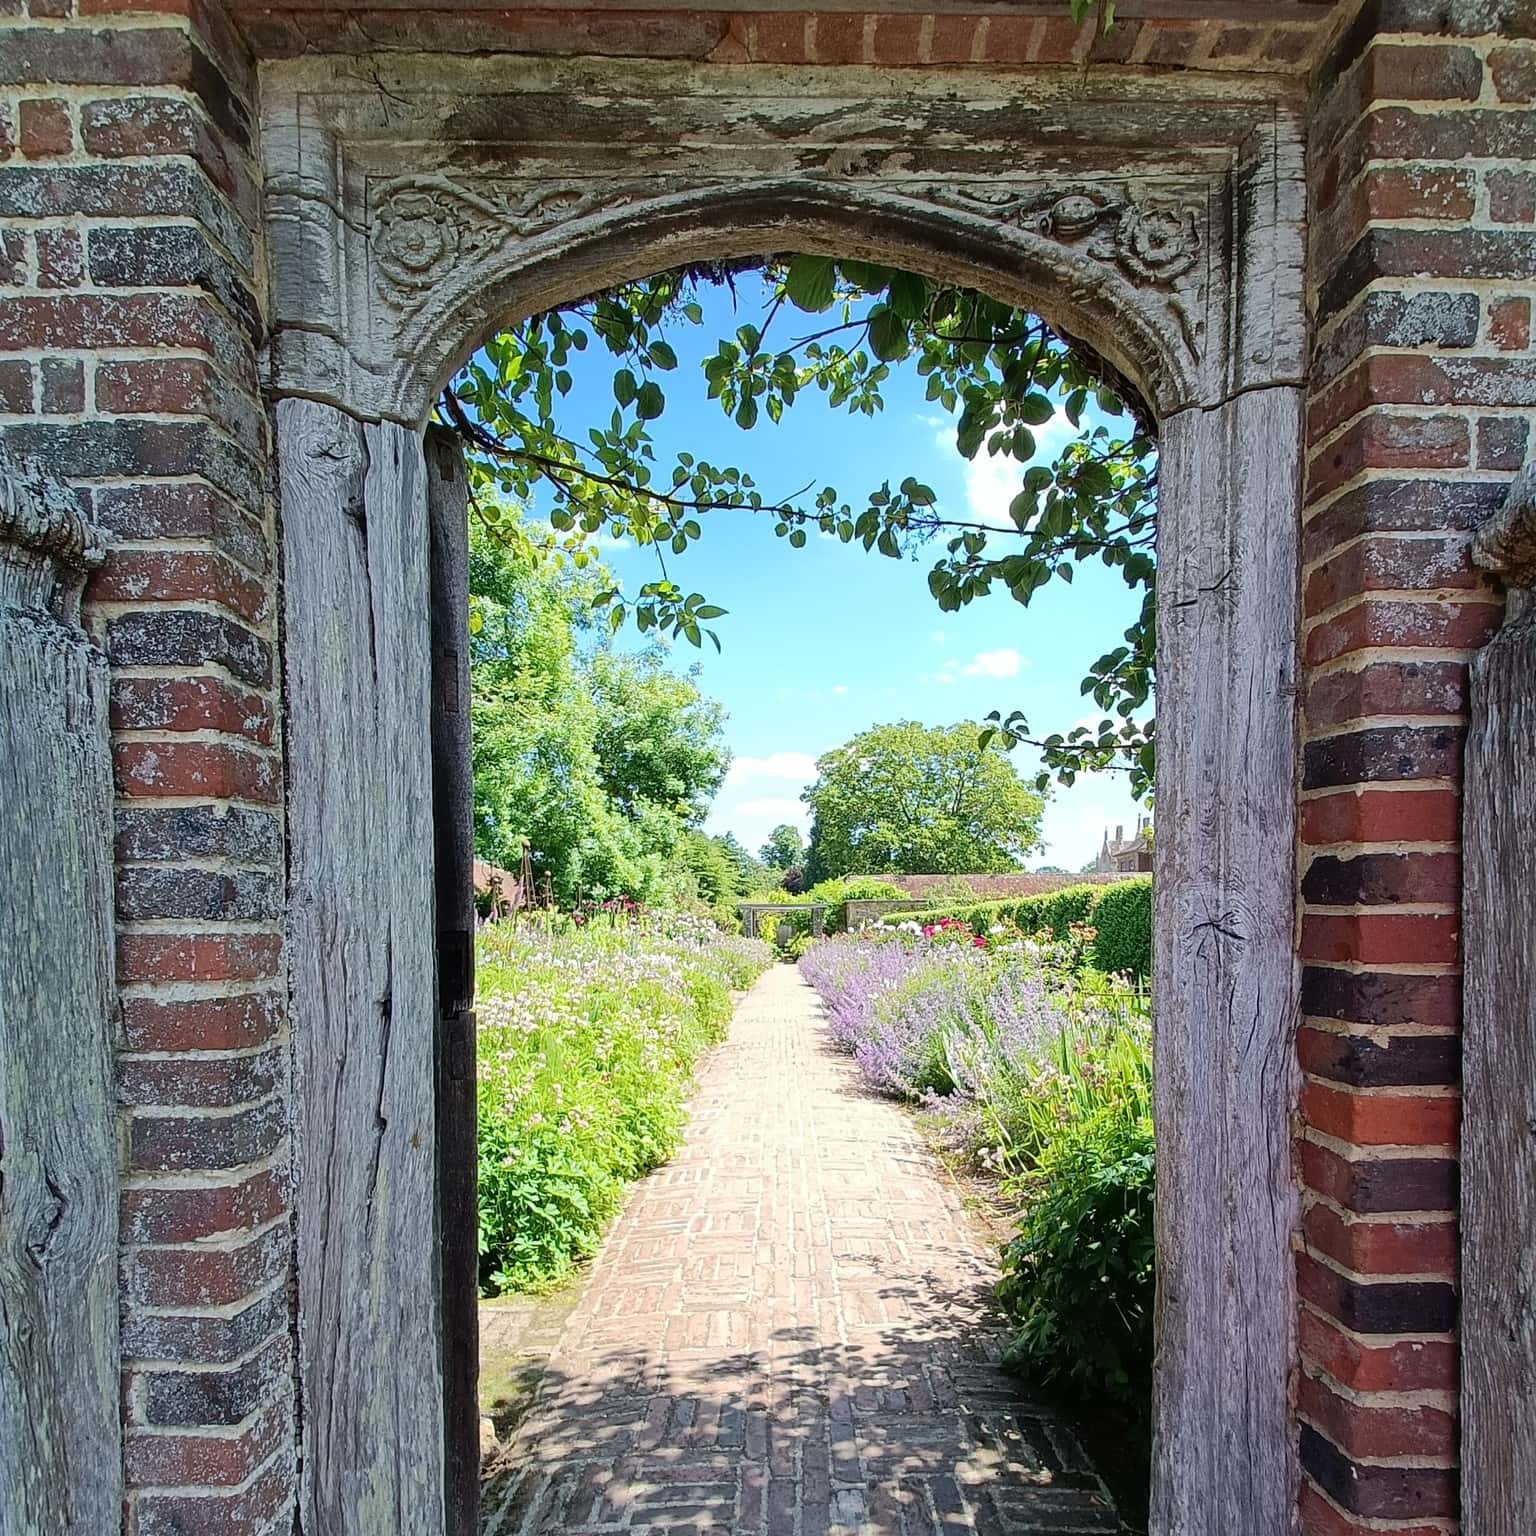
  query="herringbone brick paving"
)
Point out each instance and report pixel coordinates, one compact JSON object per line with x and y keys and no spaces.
{"x":790,"y":1332}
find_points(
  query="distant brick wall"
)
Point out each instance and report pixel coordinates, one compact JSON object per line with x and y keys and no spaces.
{"x":130,"y":319}
{"x":1419,"y":410}
{"x":995,"y":887}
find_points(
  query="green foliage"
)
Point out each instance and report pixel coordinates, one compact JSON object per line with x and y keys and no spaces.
{"x":586,"y":1045}
{"x":784,"y":849}
{"x":999,"y":372}
{"x":914,"y":799}
{"x":598,"y":761}
{"x":1122,"y":922}
{"x":1078,"y":1280}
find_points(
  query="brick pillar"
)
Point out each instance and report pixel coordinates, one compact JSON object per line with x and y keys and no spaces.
{"x":1422,"y":248}
{"x":129,"y":326}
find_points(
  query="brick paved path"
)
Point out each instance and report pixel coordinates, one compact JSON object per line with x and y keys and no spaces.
{"x":789,"y":1331}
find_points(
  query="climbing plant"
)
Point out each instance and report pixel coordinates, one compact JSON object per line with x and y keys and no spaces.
{"x":1000,"y":372}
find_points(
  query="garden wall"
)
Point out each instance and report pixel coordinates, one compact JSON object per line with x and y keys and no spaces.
{"x":133,"y":296}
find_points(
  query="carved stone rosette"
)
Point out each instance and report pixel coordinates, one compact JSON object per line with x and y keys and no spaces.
{"x":47,"y":546}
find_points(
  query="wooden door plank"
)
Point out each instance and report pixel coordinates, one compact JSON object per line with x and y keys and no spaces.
{"x":361,"y":951}
{"x":60,"y":1452}
{"x":453,"y":818}
{"x":1498,"y":1141}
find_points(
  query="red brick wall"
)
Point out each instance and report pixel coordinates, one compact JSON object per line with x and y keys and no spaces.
{"x":1421,"y":263}
{"x":130,"y":316}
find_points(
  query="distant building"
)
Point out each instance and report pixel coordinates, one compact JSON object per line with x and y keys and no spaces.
{"x":1123,"y":856}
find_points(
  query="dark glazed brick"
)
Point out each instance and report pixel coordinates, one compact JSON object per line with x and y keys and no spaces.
{"x":1381,"y":997}
{"x":208,"y":1340}
{"x":1388,"y":1186}
{"x":1401,"y":506}
{"x":213,"y":1397}
{"x":1392,"y":1306}
{"x":1501,"y":442}
{"x":197,"y":1082}
{"x":189,"y":637}
{"x":182,"y":1142}
{"x":1375,"y":1490}
{"x":63,"y":386}
{"x":211,"y":895}
{"x":163,"y":189}
{"x":1383,"y":754}
{"x":1443,"y":254}
{"x":171,"y":256}
{"x":195,"y":832}
{"x":1402,"y":1061}
{"x":1382,"y":879}
{"x":102,"y":449}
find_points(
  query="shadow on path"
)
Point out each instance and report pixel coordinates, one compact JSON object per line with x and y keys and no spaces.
{"x":790,"y":1330}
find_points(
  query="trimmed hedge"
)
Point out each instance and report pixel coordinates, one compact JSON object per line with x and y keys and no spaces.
{"x":1122,"y":921}
{"x":1120,"y":912}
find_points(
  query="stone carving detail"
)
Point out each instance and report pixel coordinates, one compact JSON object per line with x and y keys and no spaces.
{"x":424,"y":226}
{"x":1505,"y":545}
{"x":1155,"y":239}
{"x":46,"y":544}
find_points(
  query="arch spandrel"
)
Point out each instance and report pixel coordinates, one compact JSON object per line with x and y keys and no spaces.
{"x":405,"y":231}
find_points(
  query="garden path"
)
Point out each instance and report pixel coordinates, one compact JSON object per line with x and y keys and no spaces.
{"x":789,"y":1332}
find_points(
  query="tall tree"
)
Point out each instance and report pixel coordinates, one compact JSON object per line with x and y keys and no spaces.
{"x":1000,"y":372}
{"x":920,"y":800}
{"x":784,"y":849}
{"x":601,"y":761}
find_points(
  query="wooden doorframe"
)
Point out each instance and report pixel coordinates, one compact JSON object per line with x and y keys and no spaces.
{"x":1167,"y":233}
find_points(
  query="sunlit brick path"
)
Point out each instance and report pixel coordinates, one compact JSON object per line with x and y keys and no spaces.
{"x":789,"y":1331}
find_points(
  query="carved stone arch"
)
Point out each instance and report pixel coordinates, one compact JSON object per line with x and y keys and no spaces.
{"x":414,"y":203}
{"x":1128,"y":271}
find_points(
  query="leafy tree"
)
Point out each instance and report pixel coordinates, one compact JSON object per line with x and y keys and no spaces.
{"x":1000,"y":372}
{"x":915,"y":799}
{"x":600,"y":762}
{"x":749,"y":872}
{"x":784,"y":849}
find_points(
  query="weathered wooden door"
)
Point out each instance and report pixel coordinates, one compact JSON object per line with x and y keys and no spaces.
{"x":383,"y":1321}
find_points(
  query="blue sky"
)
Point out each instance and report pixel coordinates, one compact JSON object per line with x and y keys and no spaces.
{"x":822,"y":642}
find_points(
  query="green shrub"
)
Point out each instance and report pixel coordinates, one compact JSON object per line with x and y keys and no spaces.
{"x":1122,"y":922}
{"x":587,"y":1041}
{"x":1078,"y":1280}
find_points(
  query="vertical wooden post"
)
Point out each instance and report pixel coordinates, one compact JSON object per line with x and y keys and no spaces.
{"x":362,"y":954}
{"x":1498,"y":1139}
{"x":1224,"y":968}
{"x":60,"y":1454}
{"x":453,"y":819}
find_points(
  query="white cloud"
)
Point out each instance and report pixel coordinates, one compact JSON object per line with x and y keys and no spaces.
{"x":1000,"y":663}
{"x":938,"y":637}
{"x":840,"y":689}
{"x":798,"y":766}
{"x":993,"y":480}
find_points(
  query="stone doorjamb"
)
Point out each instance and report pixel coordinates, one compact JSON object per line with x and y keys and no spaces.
{"x":416,"y":202}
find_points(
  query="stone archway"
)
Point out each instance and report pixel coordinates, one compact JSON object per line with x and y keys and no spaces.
{"x":411,"y":211}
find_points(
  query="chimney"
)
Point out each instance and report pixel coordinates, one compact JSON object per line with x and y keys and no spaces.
{"x":1120,"y":832}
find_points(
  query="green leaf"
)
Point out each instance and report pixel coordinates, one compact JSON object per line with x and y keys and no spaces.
{"x":650,"y":402}
{"x":888,"y":338}
{"x":811,"y":282}
{"x":908,"y":295}
{"x":624,"y":387}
